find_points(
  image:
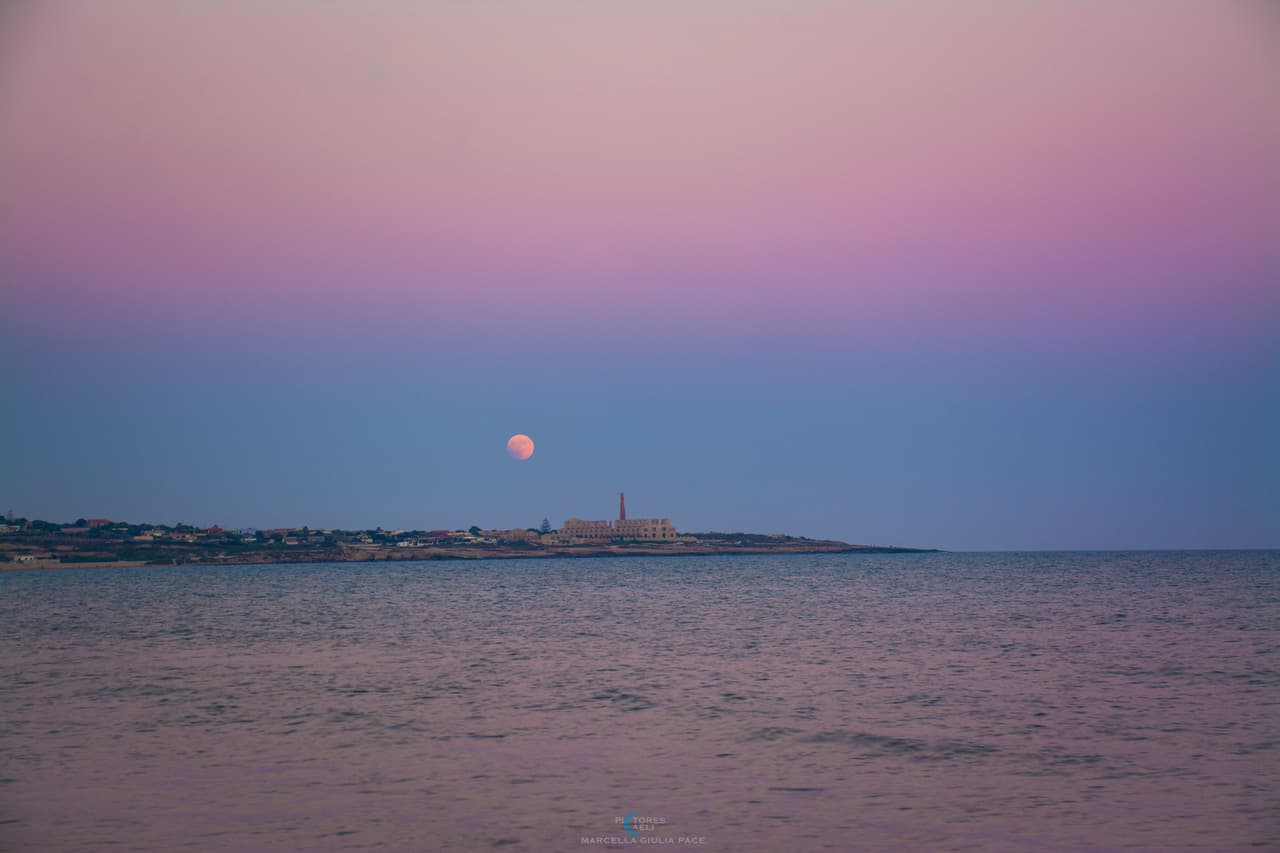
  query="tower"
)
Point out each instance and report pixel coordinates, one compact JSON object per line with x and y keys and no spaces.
{"x":622,"y":506}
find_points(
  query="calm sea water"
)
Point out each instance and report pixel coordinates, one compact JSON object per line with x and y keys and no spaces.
{"x":1039,"y":702}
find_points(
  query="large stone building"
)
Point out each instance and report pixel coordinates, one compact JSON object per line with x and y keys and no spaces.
{"x":577,"y":531}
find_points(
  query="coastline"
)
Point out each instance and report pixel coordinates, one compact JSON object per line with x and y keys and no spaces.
{"x":382,"y":555}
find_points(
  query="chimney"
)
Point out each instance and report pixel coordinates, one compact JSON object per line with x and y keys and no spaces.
{"x":622,"y":506}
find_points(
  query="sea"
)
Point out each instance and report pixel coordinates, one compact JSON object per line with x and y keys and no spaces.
{"x":987,"y":702}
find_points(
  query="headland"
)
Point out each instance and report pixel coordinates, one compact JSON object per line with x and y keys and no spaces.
{"x":100,"y":543}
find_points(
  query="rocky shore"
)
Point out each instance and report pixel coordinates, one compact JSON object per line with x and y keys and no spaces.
{"x":196,"y":555}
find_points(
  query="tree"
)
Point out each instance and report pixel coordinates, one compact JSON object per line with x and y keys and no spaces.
{"x":474,"y":531}
{"x":546,"y":526}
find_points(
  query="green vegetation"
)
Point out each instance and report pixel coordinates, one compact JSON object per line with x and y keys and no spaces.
{"x":752,"y":538}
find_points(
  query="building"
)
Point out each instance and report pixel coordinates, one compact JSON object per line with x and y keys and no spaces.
{"x":511,"y":537}
{"x":578,"y":531}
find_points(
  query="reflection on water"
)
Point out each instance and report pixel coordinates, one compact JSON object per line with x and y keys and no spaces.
{"x":979,"y":701}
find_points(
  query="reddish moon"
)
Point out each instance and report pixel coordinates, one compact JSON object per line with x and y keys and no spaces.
{"x":520,"y":446}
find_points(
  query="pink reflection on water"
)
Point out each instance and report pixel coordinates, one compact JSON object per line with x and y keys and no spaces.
{"x":942,"y":703}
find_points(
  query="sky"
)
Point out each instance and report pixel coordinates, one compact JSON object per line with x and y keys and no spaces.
{"x":979,"y":275}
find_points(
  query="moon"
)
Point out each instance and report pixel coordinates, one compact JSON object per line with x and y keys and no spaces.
{"x":520,"y":446}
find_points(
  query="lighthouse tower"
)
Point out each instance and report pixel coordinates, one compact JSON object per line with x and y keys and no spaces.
{"x":622,"y":506}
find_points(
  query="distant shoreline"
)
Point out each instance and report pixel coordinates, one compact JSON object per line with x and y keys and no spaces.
{"x":399,"y":555}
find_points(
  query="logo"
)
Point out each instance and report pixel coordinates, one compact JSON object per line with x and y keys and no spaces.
{"x":643,"y":830}
{"x":635,"y":824}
